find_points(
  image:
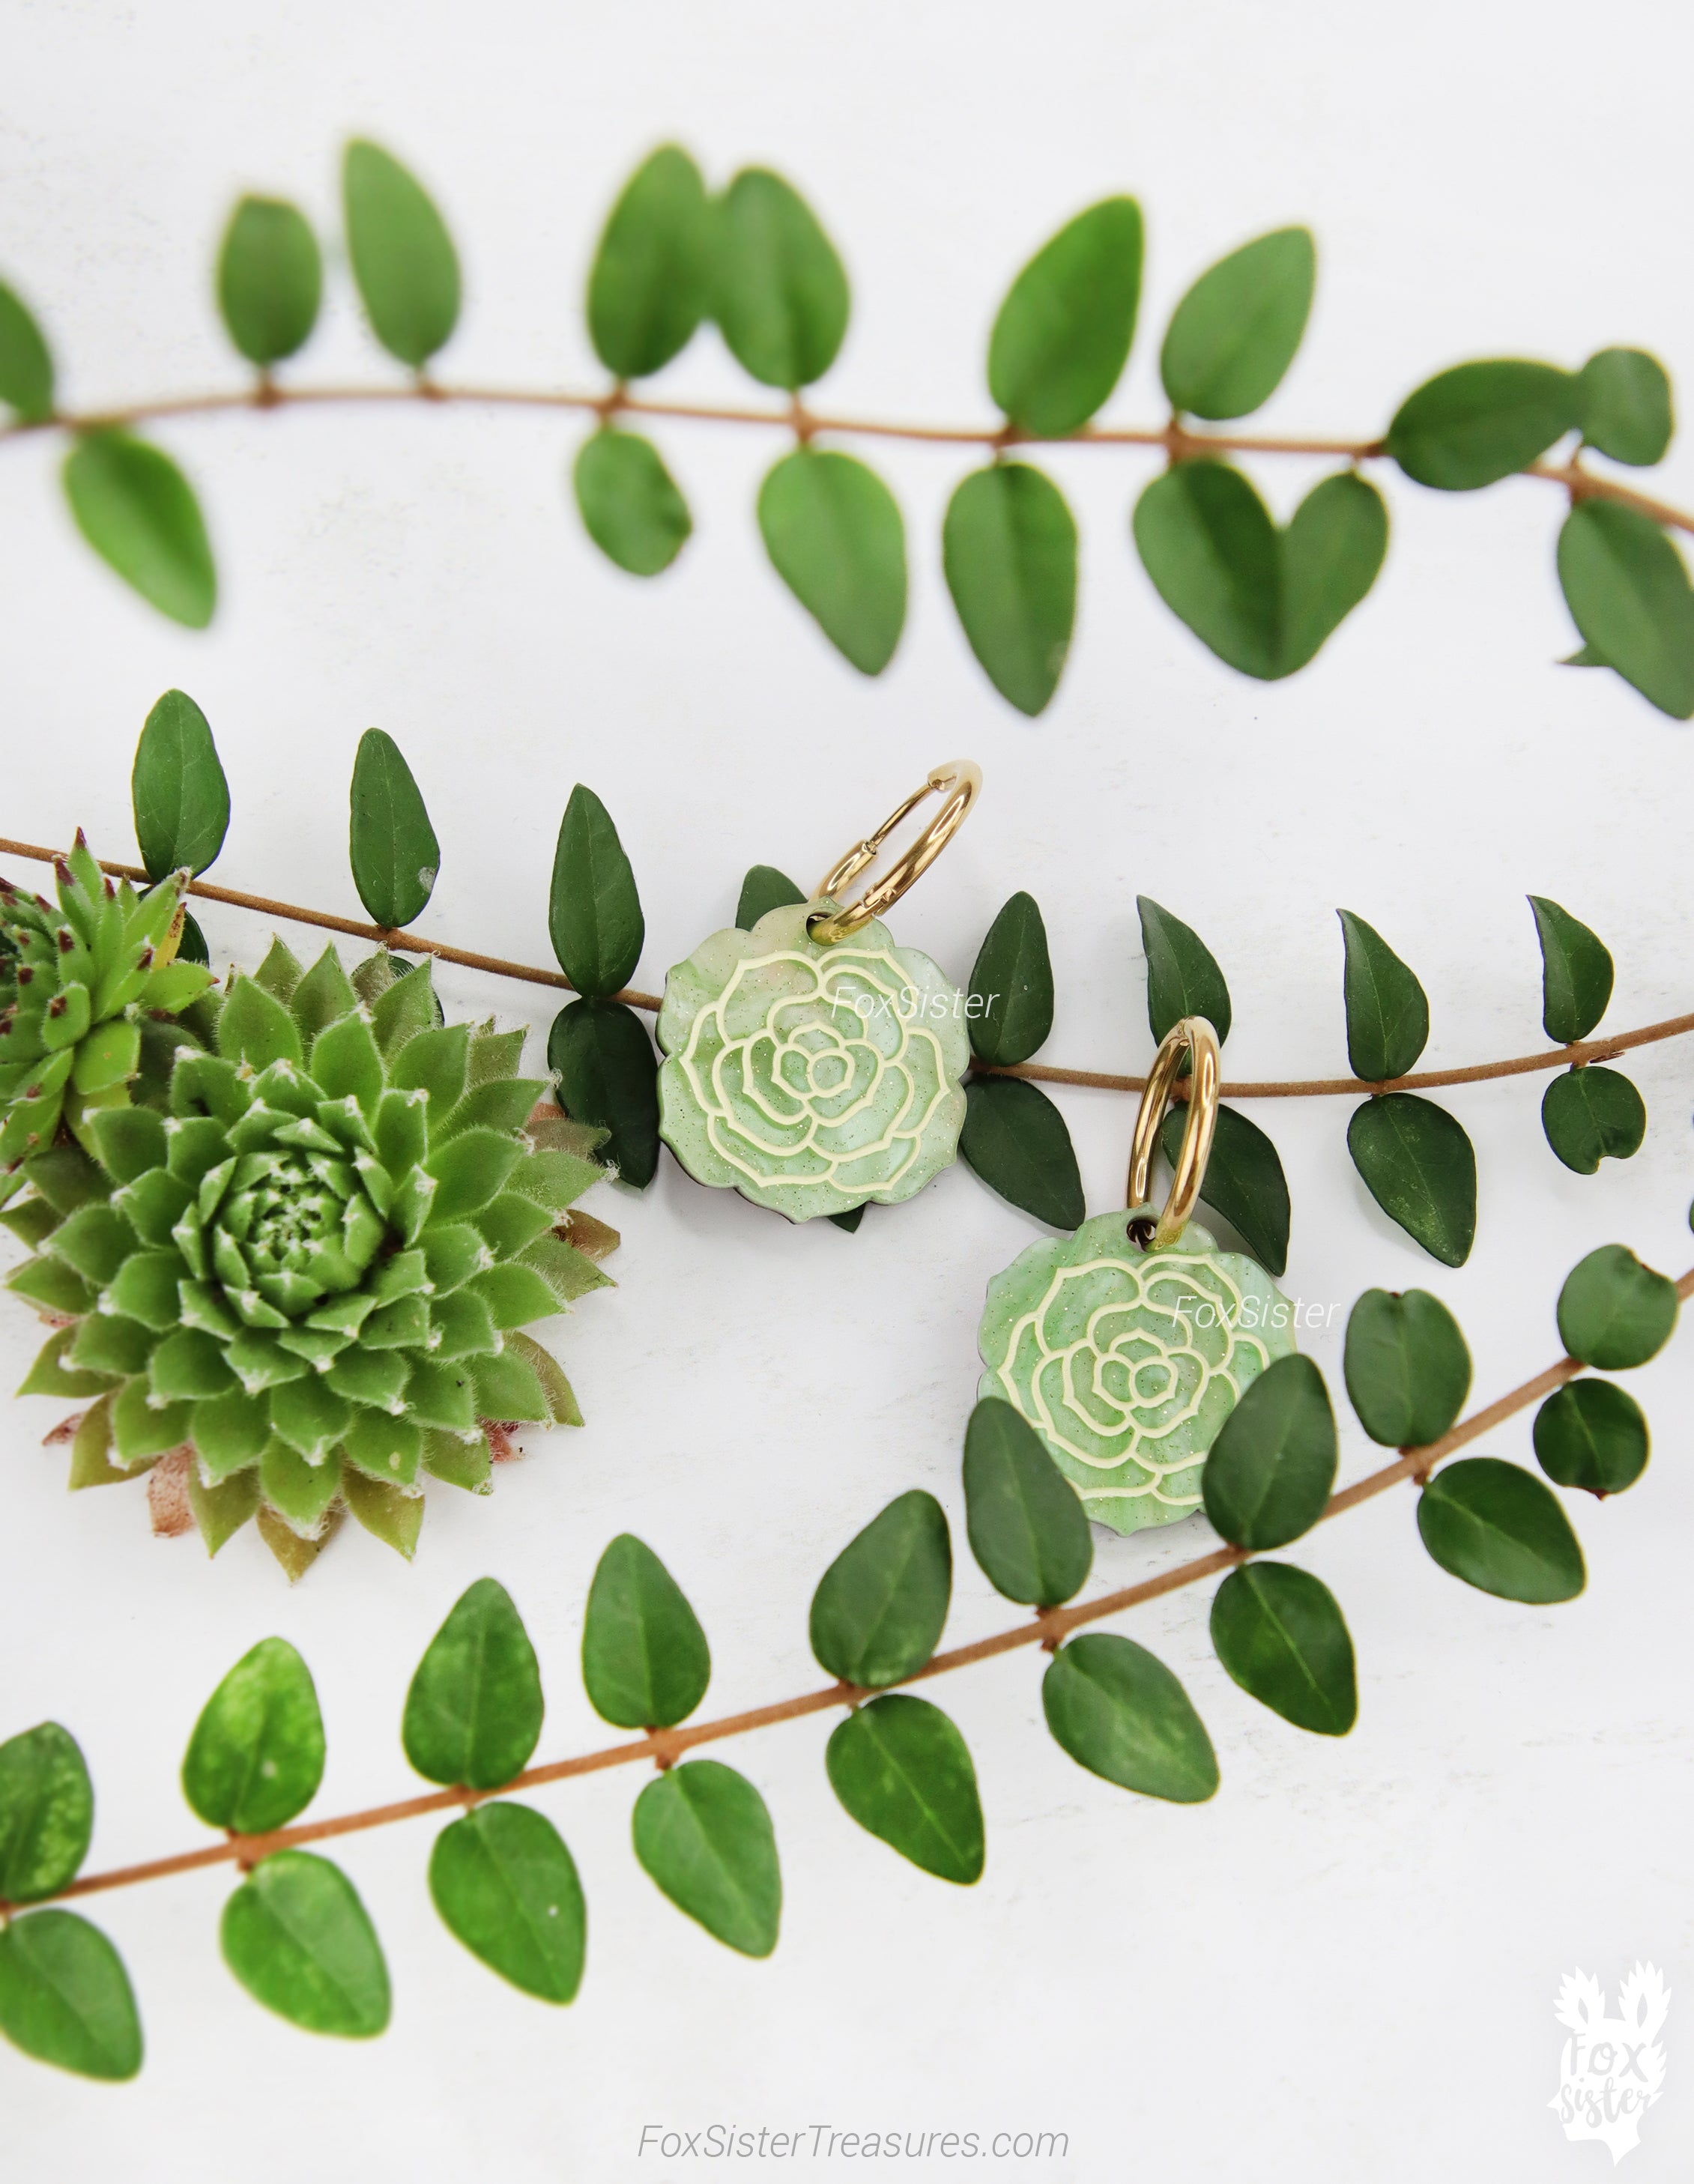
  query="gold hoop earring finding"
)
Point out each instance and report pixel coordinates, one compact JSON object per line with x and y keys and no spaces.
{"x":1196,"y":1037}
{"x":957,"y":783}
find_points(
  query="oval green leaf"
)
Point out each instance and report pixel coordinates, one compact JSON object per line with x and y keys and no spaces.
{"x":649,"y":285}
{"x":270,"y":280}
{"x":1270,"y":1470}
{"x":1236,"y":332}
{"x":403,"y":257}
{"x":1016,"y":1141}
{"x":1119,"y":1712}
{"x":506,"y":1886}
{"x":629,"y":502}
{"x":1183,"y":976}
{"x":1576,"y":972}
{"x":257,"y":1754}
{"x":608,"y":1076}
{"x":139,"y":513}
{"x":1026,"y":1524}
{"x":593,"y":910}
{"x":1063,"y":335}
{"x":1407,"y":1366}
{"x":704,"y":1837}
{"x":1479,"y":422}
{"x":901,"y":1770}
{"x":26,"y":361}
{"x":297,"y":1938}
{"x":779,"y":291}
{"x":1243,"y":1181}
{"x":394,"y":853}
{"x":474,"y":1710}
{"x":1626,"y":409}
{"x":1009,"y":549}
{"x":1590,"y":1115}
{"x":765,"y":889}
{"x":645,"y":1660}
{"x":65,"y":1997}
{"x":1388,"y":1011}
{"x":1495,"y":1526}
{"x":1420,"y":1167}
{"x":1280,"y":1634}
{"x":1613,"y":1313}
{"x":1592,"y":1435}
{"x":880,"y":1606}
{"x":1628,"y":592}
{"x":834,"y":532}
{"x":47,"y":1812}
{"x":1011,"y":1002}
{"x":177,"y":789}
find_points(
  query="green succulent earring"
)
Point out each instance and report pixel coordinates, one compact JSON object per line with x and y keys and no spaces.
{"x":1127,"y":1344}
{"x":810,"y":1063}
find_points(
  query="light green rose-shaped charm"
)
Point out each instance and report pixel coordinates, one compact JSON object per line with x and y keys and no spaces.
{"x":811,"y":1076}
{"x":1127,"y":1361}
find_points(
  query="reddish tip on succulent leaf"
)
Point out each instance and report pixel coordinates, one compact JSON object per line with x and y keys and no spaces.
{"x":26,"y":972}
{"x":61,"y":873}
{"x":66,"y":939}
{"x":81,"y":841}
{"x":56,"y":1006}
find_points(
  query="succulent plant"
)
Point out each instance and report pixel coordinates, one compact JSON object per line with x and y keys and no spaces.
{"x":80,"y":986}
{"x":304,"y":1285}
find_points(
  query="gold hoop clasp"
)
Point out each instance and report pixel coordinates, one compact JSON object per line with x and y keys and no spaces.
{"x":957,"y":783}
{"x":1193,"y":1036}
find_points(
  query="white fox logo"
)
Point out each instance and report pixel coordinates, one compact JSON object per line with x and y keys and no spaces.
{"x":1612,"y":2069}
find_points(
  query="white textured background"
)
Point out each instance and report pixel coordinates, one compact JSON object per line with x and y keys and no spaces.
{"x":1344,"y":1965}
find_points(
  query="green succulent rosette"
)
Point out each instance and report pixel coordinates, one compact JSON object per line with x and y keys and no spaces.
{"x":304,"y":1283}
{"x":811,"y":1078}
{"x":1127,"y":1362}
{"x":82,"y":982}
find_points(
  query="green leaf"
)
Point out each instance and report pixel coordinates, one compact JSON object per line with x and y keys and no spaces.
{"x":1613,"y":1313}
{"x":1628,"y":592}
{"x":257,"y":1754}
{"x":1590,"y":1115}
{"x":649,"y":285}
{"x":609,"y":1076}
{"x":1119,"y":1712}
{"x":1407,"y":1366}
{"x":180,"y":797}
{"x":849,"y":1221}
{"x":702,"y":1834}
{"x":1236,"y":332}
{"x":1576,"y":972}
{"x":1592,"y":1435}
{"x":1496,"y":1526}
{"x":1479,"y":422}
{"x":1624,"y":398}
{"x":270,"y":280}
{"x":1016,"y":1140}
{"x":1281,"y":1636}
{"x":1026,"y":1525}
{"x":1264,"y":600}
{"x":880,"y":1606}
{"x":593,"y":913}
{"x":139,"y":513}
{"x":1243,"y":1181}
{"x":645,"y":1660}
{"x":506,"y":1886}
{"x":1063,"y":335}
{"x":630,"y":504}
{"x":65,"y":1997}
{"x":1009,"y":549}
{"x":780,"y":294}
{"x":1420,"y":1167}
{"x":47,"y":1812}
{"x":1183,"y":976}
{"x":402,"y":256}
{"x":834,"y":532}
{"x":26,"y":361}
{"x":1388,"y":1011}
{"x":297,"y":1938}
{"x":1010,"y":1005}
{"x":394,"y":853}
{"x":901,"y":1770}
{"x":474,"y":1710}
{"x":254,"y":1028}
{"x":764,"y":889}
{"x":1273,"y":1464}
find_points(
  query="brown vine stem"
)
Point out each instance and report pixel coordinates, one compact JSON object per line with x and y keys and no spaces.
{"x":665,"y":1747}
{"x":1554,"y":1057}
{"x":1174,"y":438}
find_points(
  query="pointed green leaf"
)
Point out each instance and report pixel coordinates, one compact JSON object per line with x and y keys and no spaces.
{"x":834,"y":532}
{"x":1496,"y":1526}
{"x":1243,"y":1181}
{"x":1613,"y":1313}
{"x":1183,"y":976}
{"x":1592,"y":1434}
{"x":403,"y":257}
{"x":1119,"y":1712}
{"x":139,"y":513}
{"x":1270,"y":1470}
{"x":1026,"y":1525}
{"x":1479,"y":422}
{"x":593,"y":913}
{"x":765,"y":889}
{"x":1628,"y":591}
{"x":902,"y":1770}
{"x":1010,"y":1005}
{"x":1236,"y":332}
{"x":609,"y":1076}
{"x":65,"y":1997}
{"x":394,"y":853}
{"x":1407,"y":1366}
{"x":257,"y":1754}
{"x":506,"y":1886}
{"x":474,"y":1710}
{"x":180,"y":797}
{"x":297,"y":1938}
{"x":780,"y":294}
{"x":1590,"y":1115}
{"x":1280,"y":1634}
{"x":26,"y":361}
{"x":1016,"y":1141}
{"x":702,"y":1835}
{"x":648,"y":285}
{"x":254,"y":1028}
{"x":1420,"y":1167}
{"x":1576,"y":972}
{"x":1388,"y":1011}
{"x":645,"y":1660}
{"x":629,"y":502}
{"x":270,"y":280}
{"x":1009,"y":549}
{"x":391,"y":1515}
{"x":1063,"y":335}
{"x":50,"y":1376}
{"x":880,"y":1606}
{"x":47,"y":1812}
{"x":1626,"y":401}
